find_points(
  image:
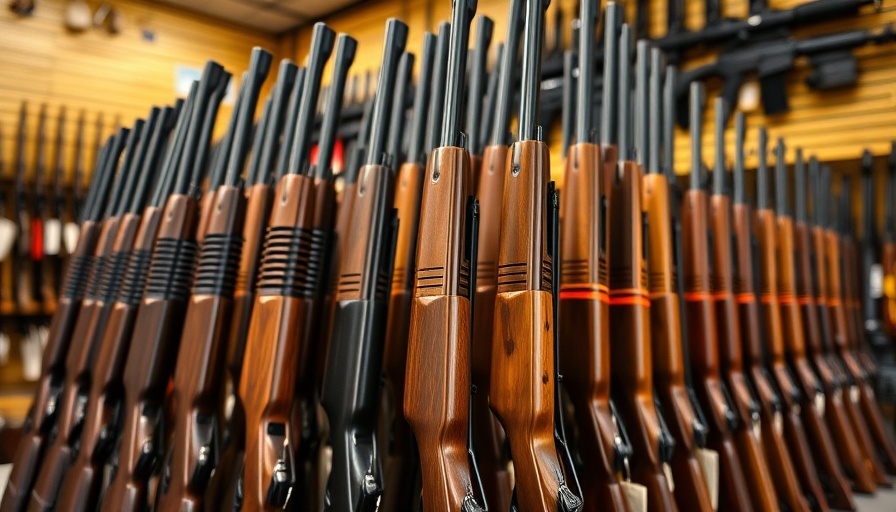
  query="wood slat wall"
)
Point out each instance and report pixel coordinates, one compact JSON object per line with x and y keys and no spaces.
{"x":121,"y":75}
{"x":834,"y":125}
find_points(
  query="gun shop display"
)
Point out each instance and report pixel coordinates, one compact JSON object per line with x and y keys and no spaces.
{"x":437,"y":325}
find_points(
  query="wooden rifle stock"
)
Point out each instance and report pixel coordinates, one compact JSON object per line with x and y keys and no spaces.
{"x":691,"y":489}
{"x":811,"y":393}
{"x":438,"y":369}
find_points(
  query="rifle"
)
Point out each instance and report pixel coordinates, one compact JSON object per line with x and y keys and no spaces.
{"x":438,"y":365}
{"x":160,"y":315}
{"x":355,"y":354}
{"x":91,"y":322}
{"x":484,"y":28}
{"x":583,"y":298}
{"x":872,"y":275}
{"x":38,"y":215}
{"x":888,"y":248}
{"x":671,"y":370}
{"x":816,"y":334}
{"x":436,"y":106}
{"x":43,"y":412}
{"x":401,"y":464}
{"x":811,"y":392}
{"x":710,"y":389}
{"x":259,"y":198}
{"x":830,"y":57}
{"x":196,"y":392}
{"x":528,"y":403}
{"x":51,"y":269}
{"x":488,"y":434}
{"x":762,"y":21}
{"x":771,"y":404}
{"x":23,"y":287}
{"x":80,"y":488}
{"x":881,"y":446}
{"x":766,"y":274}
{"x":746,"y":407}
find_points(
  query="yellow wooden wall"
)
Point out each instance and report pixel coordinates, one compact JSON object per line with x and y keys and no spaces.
{"x":121,"y":75}
{"x":834,"y":125}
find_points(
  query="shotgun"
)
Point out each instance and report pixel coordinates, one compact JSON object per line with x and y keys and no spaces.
{"x":401,"y":464}
{"x":42,"y":415}
{"x":880,"y":446}
{"x":286,"y":289}
{"x":350,"y":394}
{"x":488,"y":435}
{"x":24,"y":291}
{"x":91,"y":322}
{"x":438,"y":360}
{"x":80,"y":488}
{"x":671,"y":374}
{"x":828,"y":395}
{"x":746,"y":407}
{"x":872,"y":272}
{"x":41,"y":294}
{"x":200,"y":359}
{"x":479,"y":58}
{"x":771,"y":403}
{"x":51,"y":269}
{"x":854,"y":373}
{"x":771,"y":322}
{"x":811,"y":392}
{"x":710,"y":388}
{"x":888,"y":249}
{"x":160,"y":315}
{"x":524,"y":392}
{"x":584,"y":299}
{"x":259,"y":198}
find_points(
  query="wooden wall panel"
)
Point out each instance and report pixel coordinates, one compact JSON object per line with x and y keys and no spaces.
{"x":835,"y":125}
{"x":121,"y":75}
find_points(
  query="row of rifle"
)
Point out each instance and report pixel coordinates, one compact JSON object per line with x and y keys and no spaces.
{"x":37,"y":220}
{"x":274,"y":344}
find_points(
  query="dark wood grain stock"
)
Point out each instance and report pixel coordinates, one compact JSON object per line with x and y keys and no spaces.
{"x":770,"y":432}
{"x":488,"y":435}
{"x":630,"y":350}
{"x":691,"y":489}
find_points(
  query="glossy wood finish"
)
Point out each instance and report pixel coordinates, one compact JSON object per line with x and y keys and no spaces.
{"x":853,"y":371}
{"x":79,"y":370}
{"x":278,"y":321}
{"x":81,"y":486}
{"x":200,"y":362}
{"x":438,"y":356}
{"x":770,"y":432}
{"x":815,"y":335}
{"x":795,"y":433}
{"x":400,"y":459}
{"x":41,"y":417}
{"x":704,"y":353}
{"x":756,"y":471}
{"x":488,"y":435}
{"x":811,"y":394}
{"x":584,"y":324}
{"x":691,"y":489}
{"x":521,"y":392}
{"x":154,"y":344}
{"x":630,"y":351}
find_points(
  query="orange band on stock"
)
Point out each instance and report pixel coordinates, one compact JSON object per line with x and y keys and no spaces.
{"x":745,"y":298}
{"x":786,"y":299}
{"x":697,"y":296}
{"x":598,"y":293}
{"x":629,"y":297}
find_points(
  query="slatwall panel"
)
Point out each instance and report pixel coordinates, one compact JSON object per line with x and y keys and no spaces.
{"x":121,"y":75}
{"x":834,"y":125}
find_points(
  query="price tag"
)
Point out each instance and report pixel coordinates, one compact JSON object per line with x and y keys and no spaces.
{"x":52,"y":237}
{"x":876,"y":281}
{"x":70,"y":236}
{"x":709,"y":461}
{"x":8,"y":232}
{"x":635,"y":495}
